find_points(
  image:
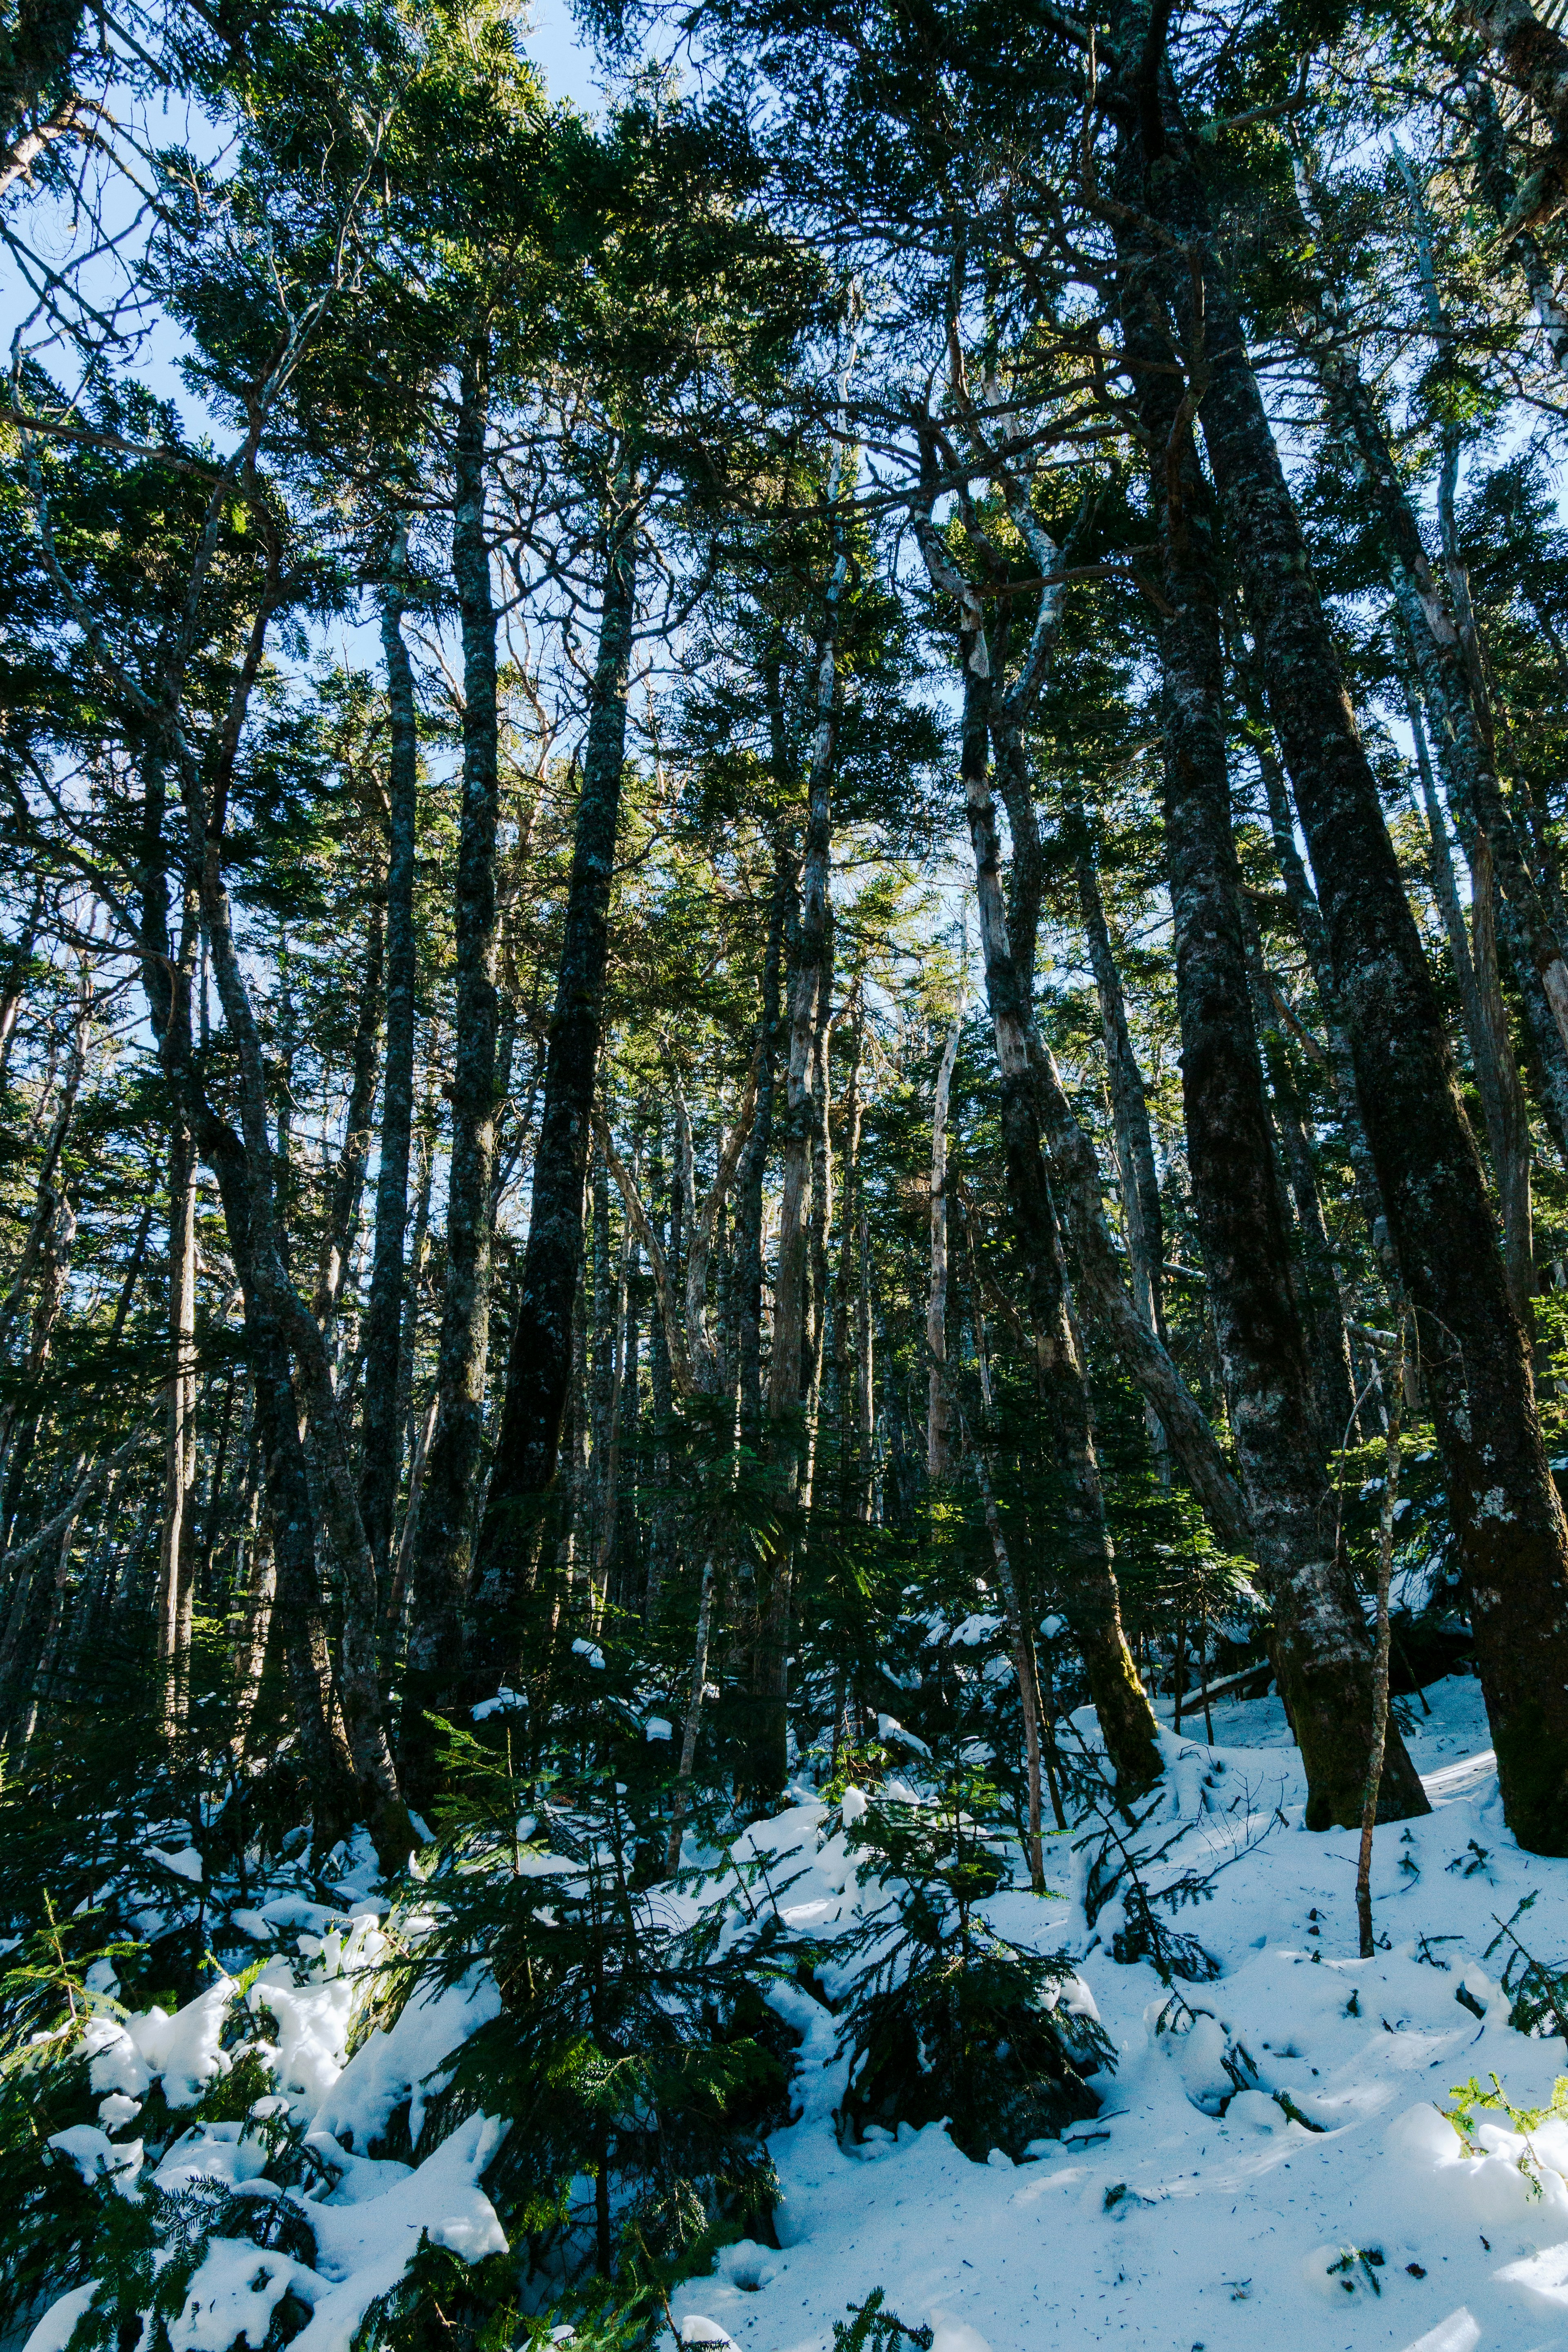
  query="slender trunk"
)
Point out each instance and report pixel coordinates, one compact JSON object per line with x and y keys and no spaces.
{"x":1307,"y":916}
{"x":1128,"y":1108}
{"x":539,"y":1369}
{"x":451,"y":1475}
{"x":940,"y":1399}
{"x":687,"y":1771}
{"x":1386,"y":1517}
{"x":662,"y":1398}
{"x":348,"y":1177}
{"x":750,"y":1175}
{"x":381,"y":1425}
{"x":1448,"y":669}
{"x":1090,"y":1597}
{"x":1321,"y":1306}
{"x":175,"y":1549}
{"x":18,"y":971}
{"x":602,"y":1344}
{"x":1552,"y":1059}
{"x":1510,"y":1529}
{"x":1511,"y":1150}
{"x":821,"y":1201}
{"x":810,"y":983}
{"x":250,"y":1657}
{"x":1023,"y":1668}
{"x":853,"y":1450}
{"x":607,"y":1445}
{"x":1142,"y":1217}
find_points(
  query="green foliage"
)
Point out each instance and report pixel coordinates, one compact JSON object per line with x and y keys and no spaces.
{"x":1537,"y":1989}
{"x":870,"y":2328}
{"x":45,"y":2007}
{"x":442,"y":2304}
{"x":946,"y":2017}
{"x":1472,"y":2101}
{"x":630,"y":2050}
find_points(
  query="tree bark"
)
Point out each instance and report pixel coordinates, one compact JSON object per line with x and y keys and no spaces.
{"x":451,"y":1475}
{"x":381,"y":1424}
{"x":750,"y":1173}
{"x":939,"y":1386}
{"x":1507,"y":1518}
{"x":174,"y":1552}
{"x":528,"y":1442}
{"x":1324,"y":1655}
{"x":1090,"y":1597}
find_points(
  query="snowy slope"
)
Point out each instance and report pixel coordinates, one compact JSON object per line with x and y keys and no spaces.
{"x":1160,"y":2225}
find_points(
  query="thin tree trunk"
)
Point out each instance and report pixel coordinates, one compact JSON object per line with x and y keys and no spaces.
{"x":1129,"y":1108}
{"x":348,"y":1177}
{"x":686,"y":1772}
{"x":810,"y":983}
{"x":1386,"y":1517}
{"x":14,"y":988}
{"x":451,"y":1475}
{"x":250,"y":1657}
{"x":175,"y":1549}
{"x":940,"y":1400}
{"x":1090,"y":1596}
{"x":528,"y":1444}
{"x":1023,"y":1666}
{"x":381,"y":1423}
{"x":750,"y":1175}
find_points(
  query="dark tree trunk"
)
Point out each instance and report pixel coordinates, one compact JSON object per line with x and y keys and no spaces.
{"x":1474,"y":1356}
{"x":348,"y":1177}
{"x":380,"y":1428}
{"x":1090,"y":1600}
{"x":1128,"y":1108}
{"x":527,"y":1446}
{"x":749,"y":1178}
{"x":1324,"y":1655}
{"x":451,"y":1474}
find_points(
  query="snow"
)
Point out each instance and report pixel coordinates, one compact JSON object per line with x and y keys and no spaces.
{"x":55,"y":2330}
{"x":390,"y":2066}
{"x":1271,"y":2163}
{"x":233,"y":2295}
{"x":186,"y":1863}
{"x":1164,"y":2225}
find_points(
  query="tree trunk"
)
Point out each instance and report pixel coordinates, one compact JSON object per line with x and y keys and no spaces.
{"x":750,"y":1175}
{"x":381,"y":1426}
{"x":1485,"y":1023}
{"x":939,"y":1400}
{"x":348,"y":1177}
{"x":1509,"y":1526}
{"x":175,"y":1553}
{"x":539,"y":1369}
{"x":810,"y":985}
{"x":1324,"y":1655}
{"x":1319,"y":1305}
{"x":1129,"y":1106}
{"x":451,"y":1475}
{"x":1090,"y":1597}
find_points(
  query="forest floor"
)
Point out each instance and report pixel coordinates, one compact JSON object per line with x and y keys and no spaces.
{"x":1161,"y":2226}
{"x":1161,"y":2223}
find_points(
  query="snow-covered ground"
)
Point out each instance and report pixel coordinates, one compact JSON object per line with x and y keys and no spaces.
{"x":1160,"y":2225}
